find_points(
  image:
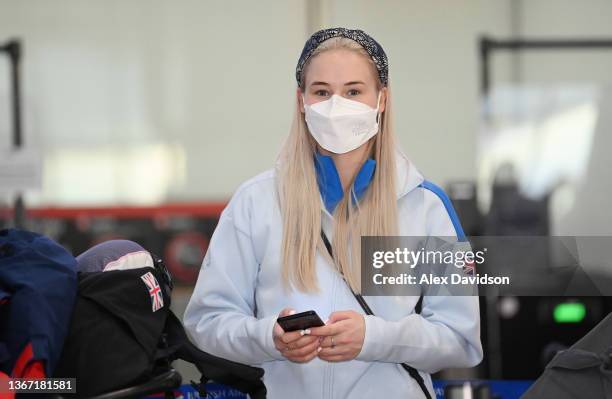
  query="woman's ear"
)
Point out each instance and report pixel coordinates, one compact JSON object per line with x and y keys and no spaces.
{"x":383,"y":100}
{"x":300,"y":100}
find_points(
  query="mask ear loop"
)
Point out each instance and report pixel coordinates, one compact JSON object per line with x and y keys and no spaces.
{"x":377,"y":107}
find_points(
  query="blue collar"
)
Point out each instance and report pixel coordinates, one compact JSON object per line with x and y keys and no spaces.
{"x":329,"y":182}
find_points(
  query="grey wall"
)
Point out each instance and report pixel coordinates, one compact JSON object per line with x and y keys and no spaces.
{"x":185,"y":100}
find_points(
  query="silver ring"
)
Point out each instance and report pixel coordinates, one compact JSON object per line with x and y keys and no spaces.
{"x":332,"y":342}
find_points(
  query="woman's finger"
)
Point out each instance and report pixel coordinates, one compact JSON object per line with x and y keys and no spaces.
{"x":338,"y":350}
{"x":289,"y":337}
{"x":280,"y":346}
{"x":326,"y":342}
{"x":304,"y":359}
{"x":303,"y":341}
{"x":330,"y":329}
{"x":303,"y":351}
{"x":297,"y":344}
{"x":341,"y":339}
{"x":342,"y":315}
{"x":277,"y":331}
{"x":286,"y":312}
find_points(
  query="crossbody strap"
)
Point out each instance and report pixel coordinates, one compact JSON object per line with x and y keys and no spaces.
{"x":366,"y":308}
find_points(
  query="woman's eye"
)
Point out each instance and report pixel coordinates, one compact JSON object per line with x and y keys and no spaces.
{"x":322,"y":93}
{"x":353,"y":92}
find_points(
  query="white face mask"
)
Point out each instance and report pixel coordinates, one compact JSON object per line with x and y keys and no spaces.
{"x":340,"y":125}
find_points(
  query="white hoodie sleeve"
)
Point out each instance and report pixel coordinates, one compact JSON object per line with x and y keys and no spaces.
{"x":220,"y":317}
{"x":446,"y":333}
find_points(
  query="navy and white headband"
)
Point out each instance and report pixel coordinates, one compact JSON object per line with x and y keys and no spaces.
{"x":370,"y":45}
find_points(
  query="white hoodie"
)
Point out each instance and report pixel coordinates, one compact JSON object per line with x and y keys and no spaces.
{"x":239,"y":294}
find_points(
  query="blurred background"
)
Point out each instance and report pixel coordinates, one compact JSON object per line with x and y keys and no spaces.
{"x":138,"y":119}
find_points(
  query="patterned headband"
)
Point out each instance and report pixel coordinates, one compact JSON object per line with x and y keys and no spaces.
{"x":370,"y":45}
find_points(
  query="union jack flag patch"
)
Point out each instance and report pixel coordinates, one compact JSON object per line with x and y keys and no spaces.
{"x":157,"y":298}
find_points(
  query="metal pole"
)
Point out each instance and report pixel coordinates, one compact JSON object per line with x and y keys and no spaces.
{"x":14,"y":50}
{"x":485,"y":72}
{"x":549,"y":44}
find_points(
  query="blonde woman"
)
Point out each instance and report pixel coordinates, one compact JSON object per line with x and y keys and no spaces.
{"x":340,"y":173}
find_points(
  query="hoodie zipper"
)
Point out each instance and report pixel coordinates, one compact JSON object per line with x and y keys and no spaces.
{"x":329,"y":366}
{"x":327,"y":390}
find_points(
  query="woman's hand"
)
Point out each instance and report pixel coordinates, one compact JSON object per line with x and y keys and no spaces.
{"x":296,"y":346}
{"x":342,"y":336}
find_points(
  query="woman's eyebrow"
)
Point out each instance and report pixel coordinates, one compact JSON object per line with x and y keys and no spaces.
{"x":355,"y":82}
{"x":319,"y":84}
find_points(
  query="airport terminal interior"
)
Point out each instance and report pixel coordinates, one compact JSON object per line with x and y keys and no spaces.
{"x":138,"y":120}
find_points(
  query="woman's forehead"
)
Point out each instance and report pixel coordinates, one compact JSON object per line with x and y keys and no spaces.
{"x":340,"y":66}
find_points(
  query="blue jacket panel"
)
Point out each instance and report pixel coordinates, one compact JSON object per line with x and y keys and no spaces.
{"x":38,"y":279}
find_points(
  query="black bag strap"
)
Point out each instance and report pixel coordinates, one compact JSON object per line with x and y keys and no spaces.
{"x":366,"y":308}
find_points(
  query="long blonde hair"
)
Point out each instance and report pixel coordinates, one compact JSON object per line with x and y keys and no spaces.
{"x":374,"y":215}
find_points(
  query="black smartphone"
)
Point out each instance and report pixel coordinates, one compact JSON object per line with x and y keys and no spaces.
{"x":300,"y":321}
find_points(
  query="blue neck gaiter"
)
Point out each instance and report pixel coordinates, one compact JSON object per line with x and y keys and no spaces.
{"x":329,"y":182}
